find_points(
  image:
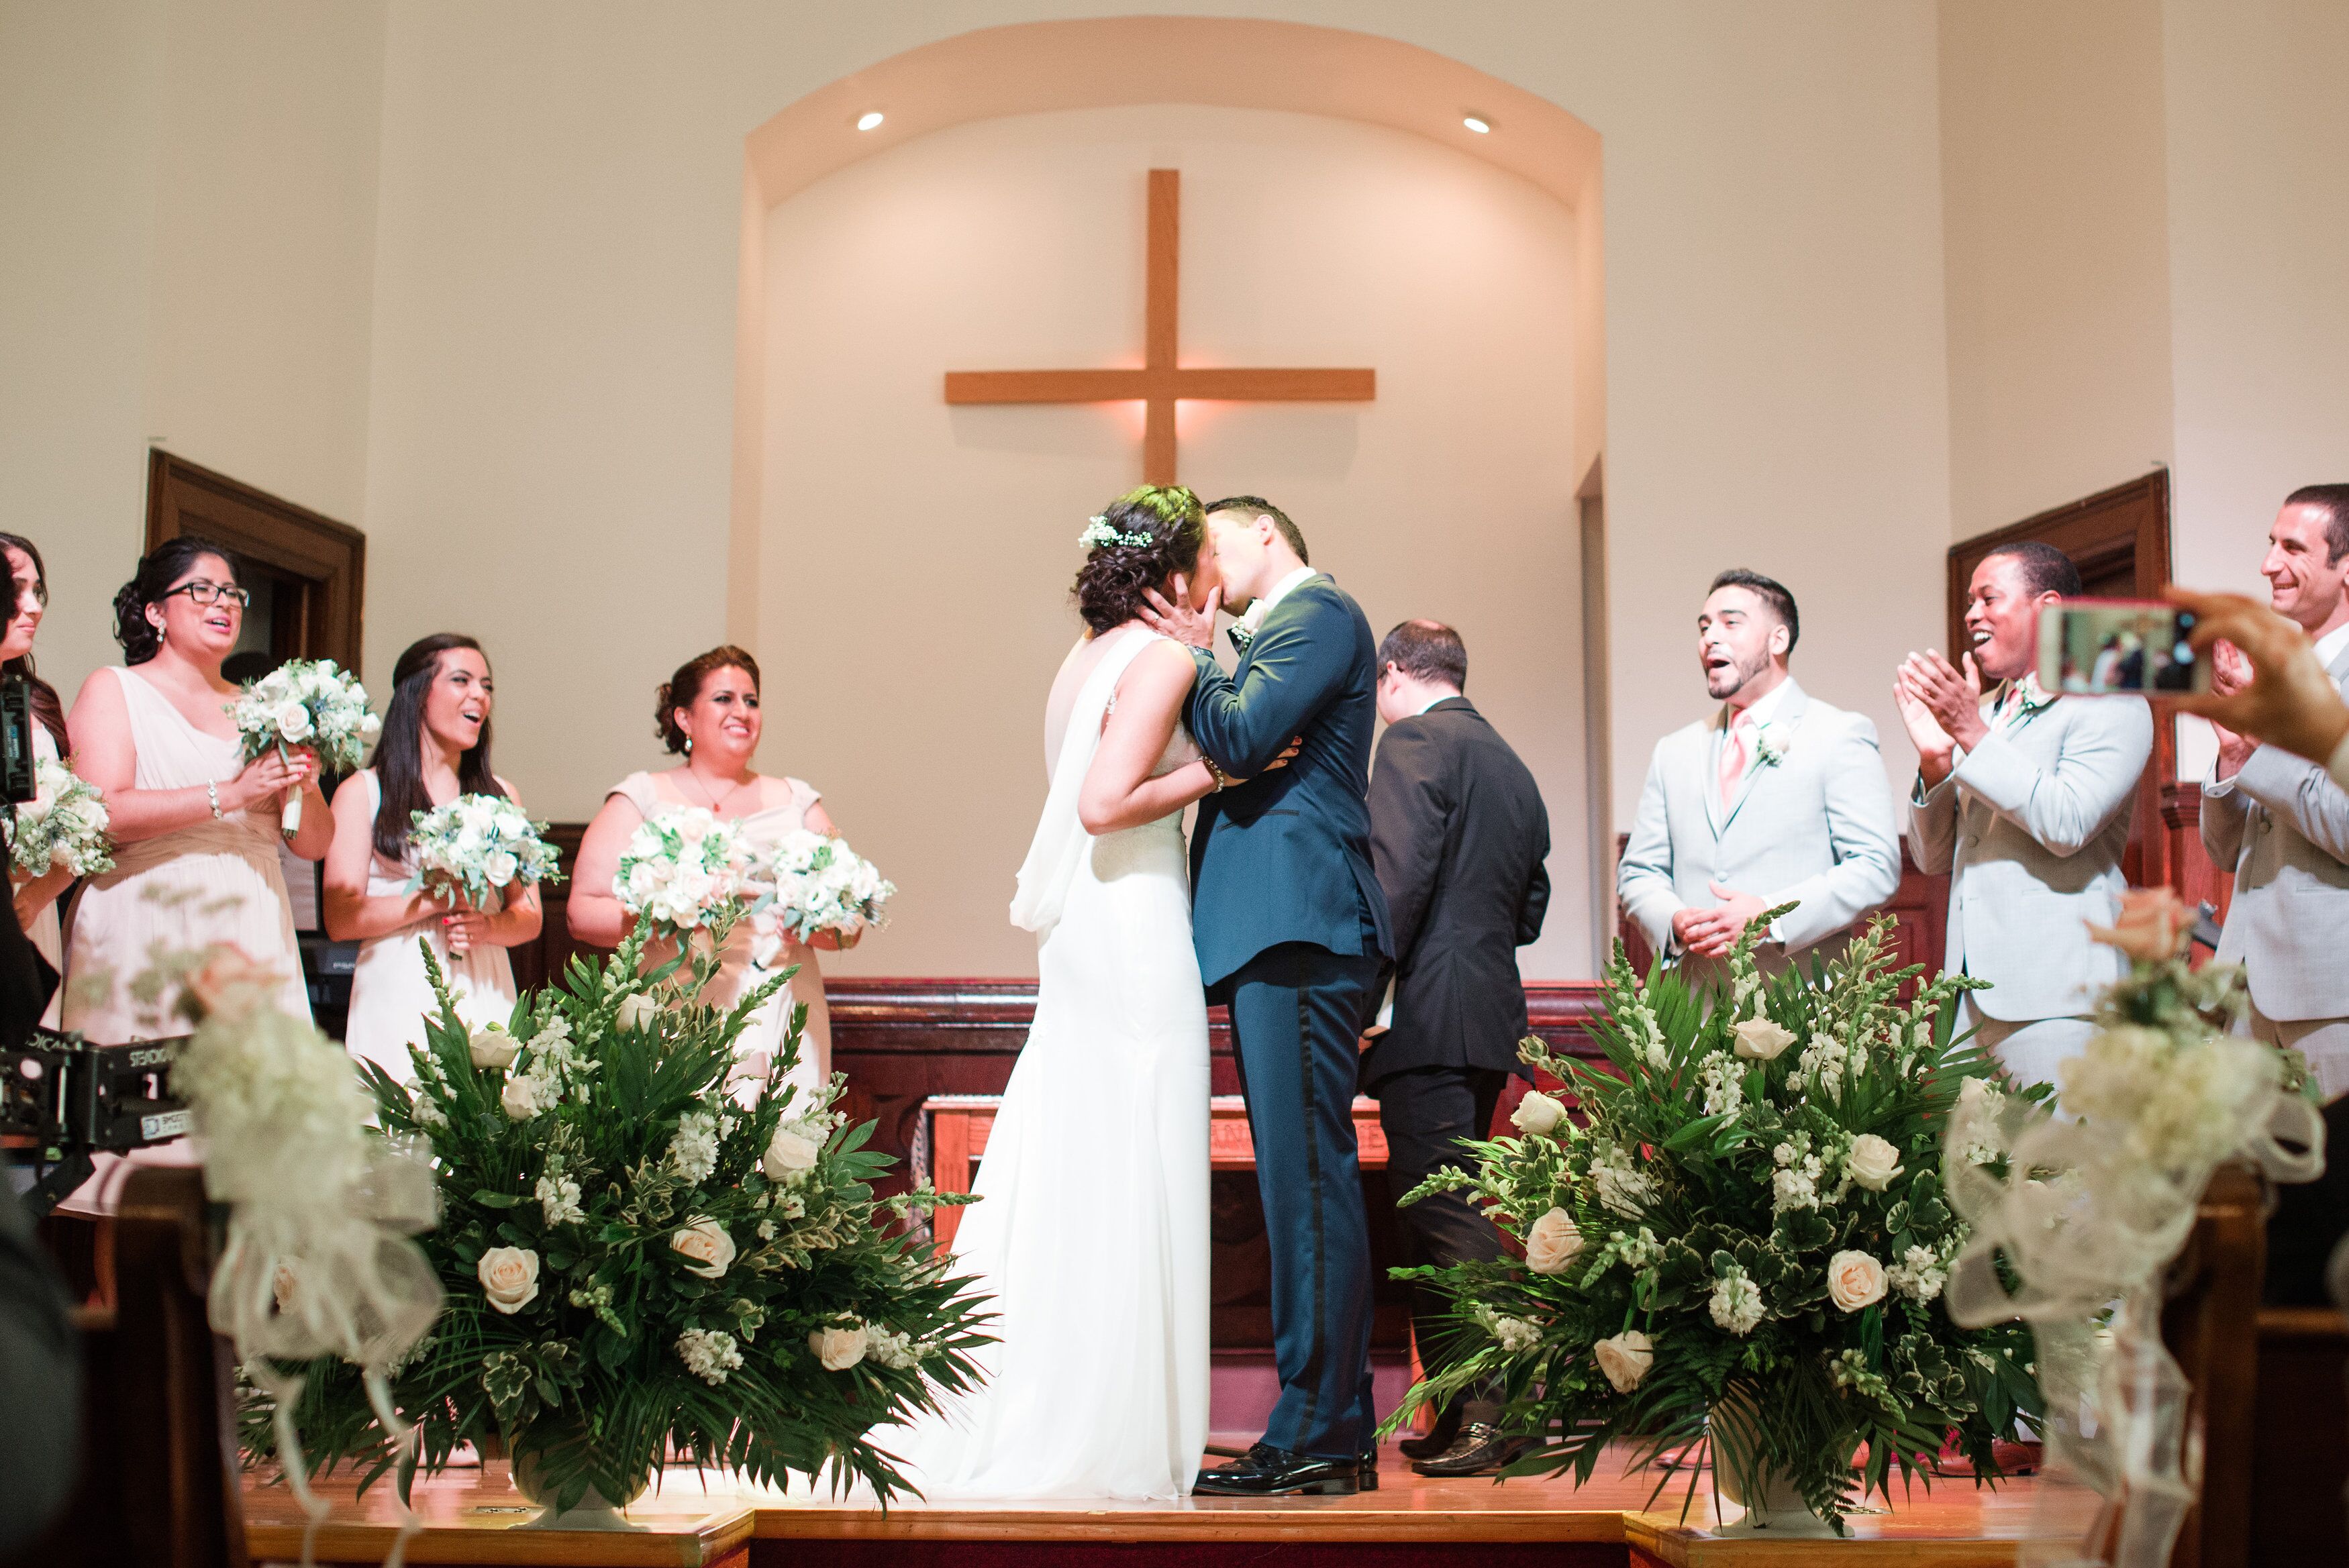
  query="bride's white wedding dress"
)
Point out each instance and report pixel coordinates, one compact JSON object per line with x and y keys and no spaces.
{"x":1092,"y":1229}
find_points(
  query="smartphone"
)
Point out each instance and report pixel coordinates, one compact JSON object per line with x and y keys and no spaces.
{"x":2097,"y":647}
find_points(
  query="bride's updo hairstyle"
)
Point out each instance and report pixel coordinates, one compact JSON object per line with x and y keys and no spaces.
{"x":681,"y":689}
{"x":158,"y":570}
{"x":1141,"y":539}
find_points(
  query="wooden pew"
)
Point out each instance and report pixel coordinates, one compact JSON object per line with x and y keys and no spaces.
{"x":158,"y":1484}
{"x":2270,"y":1409}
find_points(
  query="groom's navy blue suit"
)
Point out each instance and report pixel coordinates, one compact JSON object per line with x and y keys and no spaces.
{"x":1291,"y":929}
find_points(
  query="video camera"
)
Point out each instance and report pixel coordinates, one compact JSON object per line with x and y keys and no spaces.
{"x":73,"y":1100}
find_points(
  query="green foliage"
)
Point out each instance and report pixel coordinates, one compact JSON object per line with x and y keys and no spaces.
{"x":592,"y":1149}
{"x":1700,"y":1200}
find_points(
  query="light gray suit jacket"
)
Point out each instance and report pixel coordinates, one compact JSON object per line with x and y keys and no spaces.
{"x":2281,"y":826}
{"x":1814,"y":828}
{"x":2030,"y":826}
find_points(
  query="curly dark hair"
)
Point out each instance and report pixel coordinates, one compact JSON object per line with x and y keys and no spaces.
{"x":680,"y":689}
{"x":1110,"y":585}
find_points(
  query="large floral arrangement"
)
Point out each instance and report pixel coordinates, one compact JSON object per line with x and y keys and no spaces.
{"x":305,"y":702}
{"x":635,"y":1264}
{"x":62,"y":828}
{"x":476,"y":844}
{"x":809,"y":882}
{"x":2071,"y":1216}
{"x":1751,"y":1225}
{"x":683,"y":869}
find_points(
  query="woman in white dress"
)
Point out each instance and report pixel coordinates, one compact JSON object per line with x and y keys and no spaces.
{"x":195,"y":826}
{"x":35,"y":897}
{"x":1092,"y":1230}
{"x":435,"y":746}
{"x":708,"y":713}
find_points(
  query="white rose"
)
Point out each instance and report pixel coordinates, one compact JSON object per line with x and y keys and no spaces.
{"x":291,"y":720}
{"x":838,"y":1348}
{"x":494,"y":1047}
{"x":1625,"y":1358}
{"x":1552,"y":1242}
{"x":1854,"y":1279}
{"x":500,"y":868}
{"x":707,"y":1249}
{"x":369,"y":727}
{"x":637,"y":1011}
{"x":1760,"y":1040}
{"x":519,"y":1098}
{"x":789,"y":1153}
{"x":508,"y":1277}
{"x":1537,"y":1113}
{"x":1873,"y":1163}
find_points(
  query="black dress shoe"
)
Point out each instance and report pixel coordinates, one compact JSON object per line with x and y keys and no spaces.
{"x":1367,"y":1479}
{"x":1480,"y":1450}
{"x":1438,"y":1439}
{"x":1267,"y":1471}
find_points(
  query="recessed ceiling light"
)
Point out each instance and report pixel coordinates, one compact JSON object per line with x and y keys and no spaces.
{"x":1477,"y":123}
{"x":868,"y":119}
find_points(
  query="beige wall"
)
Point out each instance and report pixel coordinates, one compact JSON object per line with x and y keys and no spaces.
{"x":917,"y":558}
{"x":546,"y":379}
{"x":187,"y":259}
{"x":2056,"y":231}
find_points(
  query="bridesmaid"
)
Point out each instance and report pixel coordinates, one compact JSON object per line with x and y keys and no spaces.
{"x":35,"y":897}
{"x":708,"y":713}
{"x":195,"y":827}
{"x":435,"y":746}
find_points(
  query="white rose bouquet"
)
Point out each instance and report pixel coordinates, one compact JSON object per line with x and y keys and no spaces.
{"x":809,"y":882}
{"x":638,"y":1266}
{"x":62,"y":828}
{"x":477,"y":843}
{"x":306,"y":702}
{"x":1740,"y":1227}
{"x":683,"y":869}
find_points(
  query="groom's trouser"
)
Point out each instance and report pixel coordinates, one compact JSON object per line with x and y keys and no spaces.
{"x":1297,"y":1012}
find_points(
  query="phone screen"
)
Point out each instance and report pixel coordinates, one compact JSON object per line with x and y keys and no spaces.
{"x":2097,"y":647}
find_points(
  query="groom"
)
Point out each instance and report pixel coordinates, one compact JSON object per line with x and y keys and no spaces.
{"x":1291,"y":931}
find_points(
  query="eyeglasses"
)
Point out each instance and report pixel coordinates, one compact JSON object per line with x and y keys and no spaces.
{"x":210,"y":594}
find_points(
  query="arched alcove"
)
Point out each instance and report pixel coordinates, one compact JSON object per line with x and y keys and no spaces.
{"x":874,"y":261}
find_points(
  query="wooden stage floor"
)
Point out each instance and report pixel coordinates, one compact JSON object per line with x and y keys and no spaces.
{"x":471,"y":1517}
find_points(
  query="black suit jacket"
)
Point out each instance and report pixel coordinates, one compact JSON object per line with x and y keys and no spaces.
{"x":1458,"y":834}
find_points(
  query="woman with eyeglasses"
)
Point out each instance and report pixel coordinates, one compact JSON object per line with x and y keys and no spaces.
{"x":195,"y":826}
{"x":35,"y":897}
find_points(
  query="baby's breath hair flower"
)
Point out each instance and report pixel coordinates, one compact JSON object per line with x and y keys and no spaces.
{"x":1101,"y":533}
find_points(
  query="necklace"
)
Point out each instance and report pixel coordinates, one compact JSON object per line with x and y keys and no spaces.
{"x":717,"y":802}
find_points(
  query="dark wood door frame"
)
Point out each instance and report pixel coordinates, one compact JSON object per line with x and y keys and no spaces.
{"x":2127,"y":526}
{"x":328,"y":558}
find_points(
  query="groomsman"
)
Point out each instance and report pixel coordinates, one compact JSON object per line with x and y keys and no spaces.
{"x":1458,"y":834}
{"x":2025,"y":798}
{"x":1776,"y":797}
{"x":2280,"y":824}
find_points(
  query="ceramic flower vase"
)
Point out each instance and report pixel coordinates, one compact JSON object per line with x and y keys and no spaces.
{"x":1775,"y":1509}
{"x":593,"y":1511}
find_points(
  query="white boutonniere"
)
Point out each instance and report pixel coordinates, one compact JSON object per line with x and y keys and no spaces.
{"x":1769,"y":749}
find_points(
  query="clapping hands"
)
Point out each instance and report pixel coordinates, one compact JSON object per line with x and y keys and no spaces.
{"x":1940,"y":706}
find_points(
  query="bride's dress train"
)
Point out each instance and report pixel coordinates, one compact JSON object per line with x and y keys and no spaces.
{"x":1092,"y":1229}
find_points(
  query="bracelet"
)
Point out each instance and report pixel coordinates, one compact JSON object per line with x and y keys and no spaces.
{"x":1223,"y":779}
{"x":211,"y":793}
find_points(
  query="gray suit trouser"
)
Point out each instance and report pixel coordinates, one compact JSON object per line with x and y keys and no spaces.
{"x":2323,"y":1041}
{"x":2029,"y":1048}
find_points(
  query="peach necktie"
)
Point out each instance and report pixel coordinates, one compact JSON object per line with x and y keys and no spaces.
{"x":1733,"y":753}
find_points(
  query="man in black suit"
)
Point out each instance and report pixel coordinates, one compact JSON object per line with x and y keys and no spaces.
{"x":1458,"y":835}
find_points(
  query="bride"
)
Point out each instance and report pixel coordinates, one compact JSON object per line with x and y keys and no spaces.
{"x":1092,"y":1232}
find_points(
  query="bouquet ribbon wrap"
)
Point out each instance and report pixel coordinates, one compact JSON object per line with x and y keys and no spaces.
{"x":2089,"y":1215}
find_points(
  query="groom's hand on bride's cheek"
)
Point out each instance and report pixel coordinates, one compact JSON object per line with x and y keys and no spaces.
{"x":1178,"y":620}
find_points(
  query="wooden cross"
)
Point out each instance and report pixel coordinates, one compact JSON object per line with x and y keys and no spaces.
{"x":1160,"y":382}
